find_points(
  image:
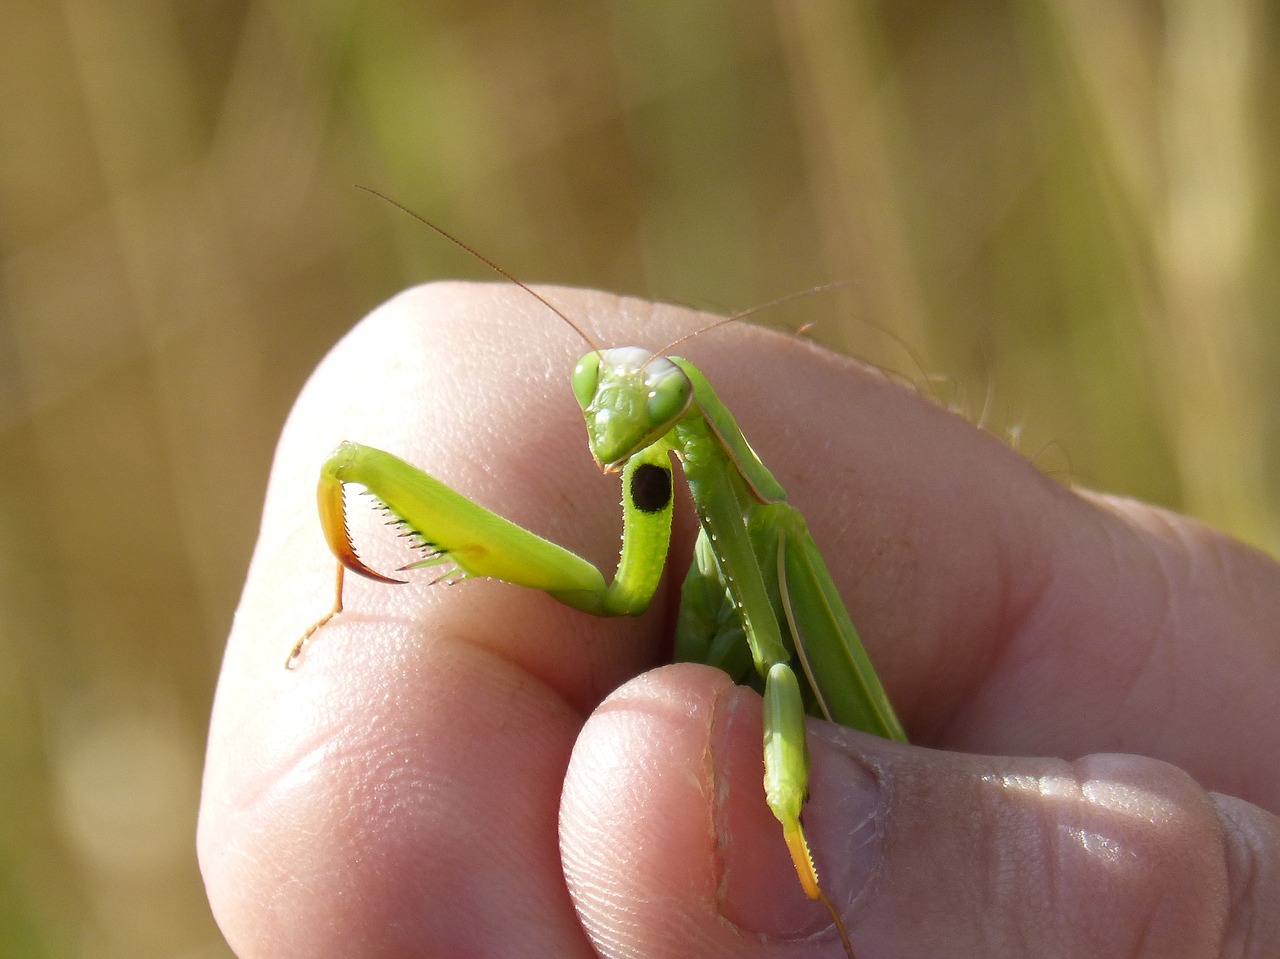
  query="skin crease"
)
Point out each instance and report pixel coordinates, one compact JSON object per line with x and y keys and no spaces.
{"x":1088,"y":684}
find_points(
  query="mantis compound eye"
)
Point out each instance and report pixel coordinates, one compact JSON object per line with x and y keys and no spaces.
{"x":586,"y":377}
{"x":669,"y":393}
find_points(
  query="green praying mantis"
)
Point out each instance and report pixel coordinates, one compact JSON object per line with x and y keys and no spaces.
{"x":758,"y":600}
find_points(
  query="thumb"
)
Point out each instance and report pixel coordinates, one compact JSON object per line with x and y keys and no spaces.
{"x":669,"y":849}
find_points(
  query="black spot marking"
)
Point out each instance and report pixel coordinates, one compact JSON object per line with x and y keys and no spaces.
{"x":650,"y":488}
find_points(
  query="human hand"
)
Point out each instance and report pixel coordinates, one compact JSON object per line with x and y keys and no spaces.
{"x":440,"y":776}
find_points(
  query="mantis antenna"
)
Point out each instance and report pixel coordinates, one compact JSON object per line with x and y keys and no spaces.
{"x":749,"y":311}
{"x":485,"y":260}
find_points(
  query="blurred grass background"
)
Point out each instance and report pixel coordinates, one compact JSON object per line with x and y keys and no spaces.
{"x":1065,"y":208}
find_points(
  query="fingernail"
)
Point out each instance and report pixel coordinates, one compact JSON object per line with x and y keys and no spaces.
{"x":759,"y":890}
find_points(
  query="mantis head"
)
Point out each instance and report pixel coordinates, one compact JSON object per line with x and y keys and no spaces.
{"x":629,"y":398}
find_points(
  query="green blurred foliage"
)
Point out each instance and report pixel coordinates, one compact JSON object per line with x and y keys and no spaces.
{"x":1059,"y":217}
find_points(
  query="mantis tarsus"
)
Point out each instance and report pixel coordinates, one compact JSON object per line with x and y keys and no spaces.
{"x":758,"y":601}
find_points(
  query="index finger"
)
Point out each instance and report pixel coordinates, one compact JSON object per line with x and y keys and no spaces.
{"x":398,"y":791}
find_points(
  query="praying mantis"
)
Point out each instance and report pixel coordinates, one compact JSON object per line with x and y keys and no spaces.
{"x":758,"y":601}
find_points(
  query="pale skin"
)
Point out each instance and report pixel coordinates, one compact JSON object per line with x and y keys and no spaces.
{"x":457,"y":772}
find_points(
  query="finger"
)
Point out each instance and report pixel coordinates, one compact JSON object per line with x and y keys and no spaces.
{"x":397,"y":793}
{"x":925,"y":853}
{"x":1149,"y":633}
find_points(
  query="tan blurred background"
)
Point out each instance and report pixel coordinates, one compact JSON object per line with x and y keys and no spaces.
{"x":1058,"y":216}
